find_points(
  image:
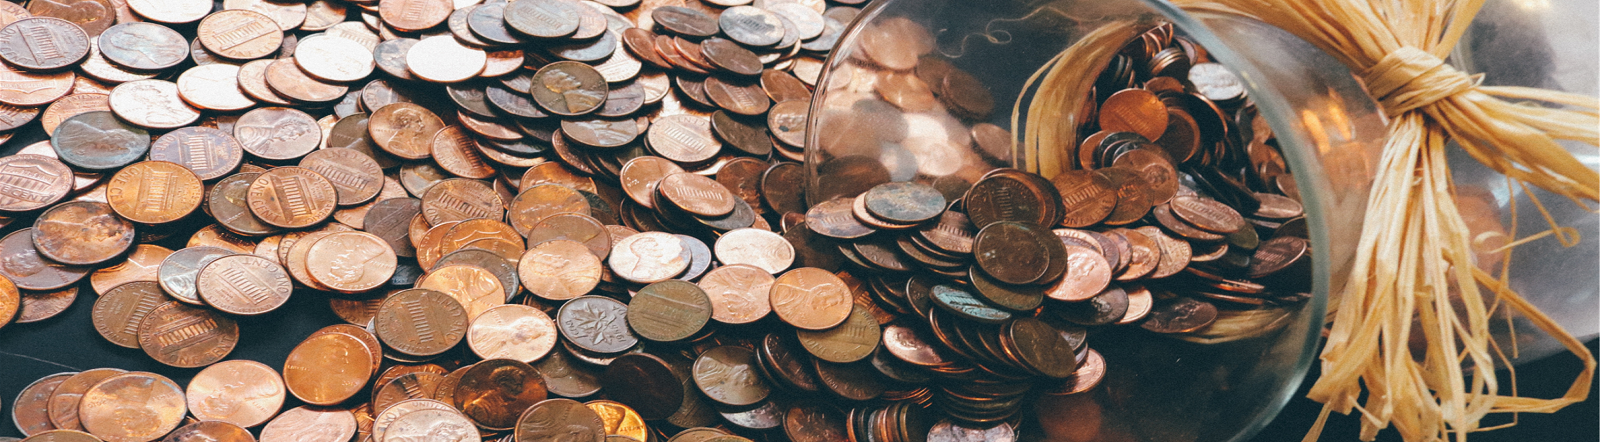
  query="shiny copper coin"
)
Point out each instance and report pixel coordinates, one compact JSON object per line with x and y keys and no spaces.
{"x":443,"y":59}
{"x":325,"y":370}
{"x":811,"y":299}
{"x":1088,"y":196}
{"x":43,"y":43}
{"x":81,"y":233}
{"x":1134,"y":110}
{"x":306,"y":424}
{"x":157,"y":400}
{"x":39,"y":306}
{"x":620,"y":420}
{"x":559,"y":270}
{"x":564,"y":419}
{"x":373,"y":346}
{"x":30,"y":411}
{"x":730,"y":375}
{"x":697,"y":194}
{"x":31,"y":89}
{"x":414,"y":15}
{"x":243,"y":285}
{"x":209,"y":153}
{"x":494,"y":392}
{"x":288,"y":80}
{"x":569,"y":88}
{"x":1088,"y":273}
{"x":421,"y":322}
{"x":472,"y":230}
{"x":1208,"y":214}
{"x":912,"y":346}
{"x":240,"y":34}
{"x":210,"y":430}
{"x":252,"y":79}
{"x":32,"y":182}
{"x":515,"y":332}
{"x":292,"y":197}
{"x":739,"y":293}
{"x":119,"y":312}
{"x":356,"y":177}
{"x":414,"y":385}
{"x":12,"y":117}
{"x":641,"y":176}
{"x":186,"y":337}
{"x":477,"y":290}
{"x":154,"y":192}
{"x":240,"y":392}
{"x":649,"y":257}
{"x":69,"y":106}
{"x":461,"y":199}
{"x":152,"y":103}
{"x":573,"y":227}
{"x":141,"y":46}
{"x":64,"y":401}
{"x":1140,"y":303}
{"x":456,"y":152}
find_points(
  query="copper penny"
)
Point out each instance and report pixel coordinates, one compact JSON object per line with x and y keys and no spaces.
{"x":739,"y":293}
{"x":669,"y":311}
{"x":210,"y":430}
{"x":25,"y":267}
{"x":555,"y":173}
{"x":118,"y":312}
{"x":1088,"y":273}
{"x":1179,"y":315}
{"x":81,"y":233}
{"x":390,"y":220}
{"x":443,"y":59}
{"x":326,"y":369}
{"x":186,"y":337}
{"x":1134,"y":110}
{"x":476,"y":289}
{"x":649,"y":257}
{"x":1088,"y":196}
{"x":574,"y":227}
{"x":277,"y":133}
{"x":30,"y":411}
{"x":69,"y":106}
{"x":851,"y":341}
{"x":334,"y":59}
{"x":415,"y":385}
{"x":461,"y":199}
{"x":209,"y":153}
{"x":356,"y":177}
{"x":684,"y":139}
{"x":835,"y":219}
{"x":697,"y":194}
{"x":31,"y":89}
{"x":64,"y":401}
{"x":559,"y":270}
{"x":1140,"y":303}
{"x":156,"y":400}
{"x":414,"y":15}
{"x":422,"y":322}
{"x":730,"y":375}
{"x":12,"y":117}
{"x":811,"y":299}
{"x":287,"y":15}
{"x":762,"y":249}
{"x":43,"y":43}
{"x":641,"y":176}
{"x":93,"y":16}
{"x":292,"y":197}
{"x":494,"y":392}
{"x":433,"y":424}
{"x":229,"y":204}
{"x":243,"y":285}
{"x":1207,"y":214}
{"x":13,"y":12}
{"x":141,"y":46}
{"x":456,"y":152}
{"x":306,"y":424}
{"x":405,"y":130}
{"x":39,"y":306}
{"x":152,"y":103}
{"x":252,"y":80}
{"x":515,"y":332}
{"x":539,"y":202}
{"x":216,"y":236}
{"x":31,"y":182}
{"x":98,"y":141}
{"x":569,"y":88}
{"x":352,"y":262}
{"x":240,"y":392}
{"x":288,"y":80}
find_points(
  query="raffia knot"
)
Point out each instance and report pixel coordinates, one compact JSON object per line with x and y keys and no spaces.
{"x":1410,"y":78}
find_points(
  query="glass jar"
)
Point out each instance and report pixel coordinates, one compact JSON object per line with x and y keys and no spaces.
{"x":1329,"y":130}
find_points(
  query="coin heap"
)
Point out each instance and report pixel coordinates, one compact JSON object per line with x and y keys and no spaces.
{"x":512,"y":201}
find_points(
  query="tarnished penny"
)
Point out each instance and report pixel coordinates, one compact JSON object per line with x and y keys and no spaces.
{"x":811,"y":299}
{"x":596,"y":324}
{"x":155,"y":399}
{"x":649,"y":257}
{"x":569,"y":88}
{"x":560,"y":419}
{"x":325,"y":370}
{"x":240,"y":34}
{"x":99,"y":141}
{"x":240,"y":392}
{"x":187,"y":337}
{"x":39,"y":306}
{"x":43,"y":43}
{"x":730,"y":375}
{"x":64,"y":401}
{"x":119,"y":312}
{"x":243,"y":285}
{"x":140,"y":46}
{"x":177,"y":272}
{"x":669,"y":311}
{"x":30,"y":411}
{"x":421,"y":322}
{"x":277,"y":133}
{"x":81,"y":233}
{"x":292,"y":197}
{"x":1207,"y":214}
{"x":209,"y":153}
{"x":1088,"y":196}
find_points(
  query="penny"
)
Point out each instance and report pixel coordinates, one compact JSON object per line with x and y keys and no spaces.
{"x":30,"y":410}
{"x":243,"y":285}
{"x":425,"y":424}
{"x":787,"y":120}
{"x":287,"y":15}
{"x":564,"y":378}
{"x":118,"y":312}
{"x":1088,"y":196}
{"x":252,"y":79}
{"x":210,"y":430}
{"x":641,"y":43}
{"x":240,"y":34}
{"x":277,"y":133}
{"x":307,"y":424}
{"x":66,"y":107}
{"x":649,"y":257}
{"x":285,"y":78}
{"x":669,"y":311}
{"x":28,"y":270}
{"x":239,"y":392}
{"x":81,"y":233}
{"x":1276,"y":254}
{"x":1015,"y":253}
{"x":12,"y":117}
{"x":415,"y":385}
{"x":811,"y":299}
{"x":904,"y":202}
{"x":560,"y":419}
{"x":325,"y":369}
{"x":645,"y":383}
{"x":421,"y":322}
{"x":32,"y":89}
{"x":477,"y":290}
{"x":762,"y":249}
{"x":620,"y":420}
{"x":494,"y":392}
{"x":414,"y":15}
{"x":141,"y":46}
{"x":333,"y":59}
{"x":1134,"y":110}
{"x":390,"y":56}
{"x":186,"y":337}
{"x":1088,"y":272}
{"x":738,"y":293}
{"x":63,"y":403}
{"x":515,"y":332}
{"x":814,"y":422}
{"x":405,"y":130}
{"x":559,"y":270}
{"x":597,"y":324}
{"x":292,"y":197}
{"x":39,"y":306}
{"x":456,"y":152}
{"x":1179,"y":315}
{"x":697,"y":195}
{"x":356,"y":177}
{"x":748,"y":138}
{"x":443,"y":59}
{"x":751,"y":26}
{"x":1140,"y":303}
{"x":574,"y":227}
{"x":743,"y":97}
{"x":569,"y":88}
{"x":99,"y":141}
{"x":461,"y":199}
{"x":641,"y":176}
{"x":1207,"y":214}
{"x":157,"y":400}
{"x":730,"y":375}
{"x":1156,"y":169}
{"x":153,"y":104}
{"x":177,"y":273}
{"x":851,"y":341}
{"x":544,"y":18}
{"x":43,"y":43}
{"x":948,"y":431}
{"x":685,"y":21}
{"x":1215,"y":82}
{"x":209,"y":153}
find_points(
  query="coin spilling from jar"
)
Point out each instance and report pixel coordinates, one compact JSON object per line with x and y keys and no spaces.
{"x":515,"y":206}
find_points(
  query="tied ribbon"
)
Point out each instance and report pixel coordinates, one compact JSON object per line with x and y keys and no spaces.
{"x":1410,"y":78}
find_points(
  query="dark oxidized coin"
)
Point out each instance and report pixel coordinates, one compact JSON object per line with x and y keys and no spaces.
{"x":730,"y":56}
{"x":669,"y":311}
{"x":1016,"y":253}
{"x":904,"y":202}
{"x":597,"y":324}
{"x":644,"y":382}
{"x":1042,"y":348}
{"x":685,"y":21}
{"x":99,"y":141}
{"x":1011,"y":297}
{"x":856,"y":381}
{"x":1107,"y":307}
{"x":488,"y":22}
{"x":1007,"y":197}
{"x":1180,"y":315}
{"x":494,"y":393}
{"x":965,"y":305}
{"x":390,"y":220}
{"x":1132,"y":199}
{"x":569,"y":88}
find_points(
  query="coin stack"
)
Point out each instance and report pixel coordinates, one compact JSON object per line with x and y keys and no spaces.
{"x":597,"y":201}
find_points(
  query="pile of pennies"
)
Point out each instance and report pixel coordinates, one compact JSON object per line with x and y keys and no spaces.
{"x":515,"y":206}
